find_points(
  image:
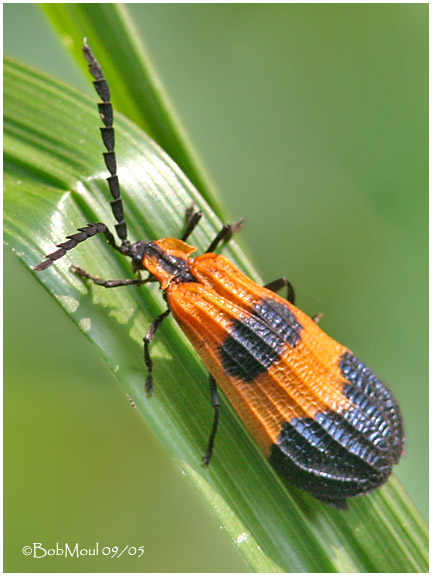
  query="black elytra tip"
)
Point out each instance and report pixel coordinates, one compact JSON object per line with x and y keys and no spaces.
{"x":375,"y":405}
{"x":328,"y":458}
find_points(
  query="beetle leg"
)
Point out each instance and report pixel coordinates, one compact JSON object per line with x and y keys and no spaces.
{"x":108,"y":283}
{"x":147,"y":359}
{"x":225,"y":234}
{"x":193,"y":216}
{"x":214,"y":396}
{"x":280,"y":283}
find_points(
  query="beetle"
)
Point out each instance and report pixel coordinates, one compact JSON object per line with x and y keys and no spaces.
{"x":324,"y":421}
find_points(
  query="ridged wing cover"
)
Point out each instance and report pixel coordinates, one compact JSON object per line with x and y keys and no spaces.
{"x":321,"y":416}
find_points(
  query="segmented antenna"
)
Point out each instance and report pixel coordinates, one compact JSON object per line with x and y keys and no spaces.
{"x":83,"y":234}
{"x":107,"y":115}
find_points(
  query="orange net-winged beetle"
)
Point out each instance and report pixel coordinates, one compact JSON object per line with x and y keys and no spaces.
{"x":324,"y":421}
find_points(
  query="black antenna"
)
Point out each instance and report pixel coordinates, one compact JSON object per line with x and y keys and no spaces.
{"x":82,"y":235}
{"x":107,"y":115}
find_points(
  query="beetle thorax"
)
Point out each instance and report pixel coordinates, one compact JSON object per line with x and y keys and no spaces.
{"x":168,"y":261}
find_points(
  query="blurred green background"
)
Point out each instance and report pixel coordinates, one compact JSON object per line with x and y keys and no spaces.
{"x":313,"y":123}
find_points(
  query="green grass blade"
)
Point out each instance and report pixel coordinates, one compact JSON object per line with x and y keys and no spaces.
{"x":54,"y":182}
{"x":135,"y":88}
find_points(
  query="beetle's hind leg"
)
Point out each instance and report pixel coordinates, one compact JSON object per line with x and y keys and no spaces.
{"x":214,"y":396}
{"x":280,"y":283}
